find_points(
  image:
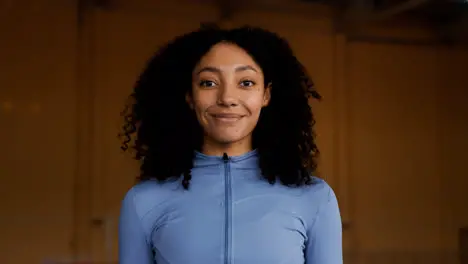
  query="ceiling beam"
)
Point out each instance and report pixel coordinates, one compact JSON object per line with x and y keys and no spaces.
{"x":227,"y":8}
{"x":363,"y":11}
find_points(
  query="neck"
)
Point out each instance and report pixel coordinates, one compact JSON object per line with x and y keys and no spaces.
{"x":211,"y":148}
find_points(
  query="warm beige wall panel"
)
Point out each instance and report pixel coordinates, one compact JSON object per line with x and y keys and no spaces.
{"x":453,"y":141}
{"x":37,"y":120}
{"x":394,"y":167}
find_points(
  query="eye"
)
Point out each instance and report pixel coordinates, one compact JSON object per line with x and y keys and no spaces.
{"x":247,"y":83}
{"x":206,"y":83}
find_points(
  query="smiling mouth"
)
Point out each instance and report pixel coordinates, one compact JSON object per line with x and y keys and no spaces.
{"x":226,"y":117}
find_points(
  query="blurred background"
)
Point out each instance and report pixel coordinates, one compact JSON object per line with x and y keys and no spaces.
{"x":392,"y":128}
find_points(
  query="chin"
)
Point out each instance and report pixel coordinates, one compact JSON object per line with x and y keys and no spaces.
{"x":226,"y":139}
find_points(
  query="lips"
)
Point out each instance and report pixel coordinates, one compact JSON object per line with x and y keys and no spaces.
{"x":226,"y":117}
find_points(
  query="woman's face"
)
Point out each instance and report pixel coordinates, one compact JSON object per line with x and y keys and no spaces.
{"x":228,"y":93}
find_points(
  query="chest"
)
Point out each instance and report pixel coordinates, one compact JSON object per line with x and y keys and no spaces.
{"x":231,"y":227}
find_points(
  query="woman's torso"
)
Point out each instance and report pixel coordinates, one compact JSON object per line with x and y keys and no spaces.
{"x":229,"y":215}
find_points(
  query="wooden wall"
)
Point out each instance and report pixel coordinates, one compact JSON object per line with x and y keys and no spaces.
{"x":391,"y":127}
{"x":38,"y":113}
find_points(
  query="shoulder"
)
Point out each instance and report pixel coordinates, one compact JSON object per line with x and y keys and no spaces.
{"x":318,"y":197}
{"x":319,"y":190}
{"x":148,"y":195}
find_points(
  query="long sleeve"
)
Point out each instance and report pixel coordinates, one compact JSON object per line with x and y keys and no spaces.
{"x":133,"y":244}
{"x":324,"y":244}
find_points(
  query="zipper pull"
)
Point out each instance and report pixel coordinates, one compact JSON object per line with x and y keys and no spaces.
{"x":225,"y":157}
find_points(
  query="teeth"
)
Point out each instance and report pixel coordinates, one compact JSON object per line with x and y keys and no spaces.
{"x":227,"y":118}
{"x":222,"y":116}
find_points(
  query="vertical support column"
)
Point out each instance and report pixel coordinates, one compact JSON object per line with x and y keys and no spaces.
{"x":463,"y":245}
{"x":85,"y":131}
{"x":341,"y":141}
{"x":340,"y":124}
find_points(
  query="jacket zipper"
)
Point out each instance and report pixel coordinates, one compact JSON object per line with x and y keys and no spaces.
{"x":228,"y":209}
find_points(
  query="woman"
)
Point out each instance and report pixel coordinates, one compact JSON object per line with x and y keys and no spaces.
{"x":224,"y":132}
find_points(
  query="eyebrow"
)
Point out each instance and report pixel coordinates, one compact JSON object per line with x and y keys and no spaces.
{"x":217,"y":70}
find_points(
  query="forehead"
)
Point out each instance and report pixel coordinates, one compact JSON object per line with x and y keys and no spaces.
{"x":225,"y":55}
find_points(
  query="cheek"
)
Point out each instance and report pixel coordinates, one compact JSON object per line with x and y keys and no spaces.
{"x":254,"y":104}
{"x":200,"y":109}
{"x":201,"y":103}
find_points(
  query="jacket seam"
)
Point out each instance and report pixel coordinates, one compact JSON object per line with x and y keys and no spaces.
{"x":141,"y":217}
{"x":319,"y":210}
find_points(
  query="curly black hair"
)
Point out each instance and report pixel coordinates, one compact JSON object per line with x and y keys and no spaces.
{"x":163,"y":130}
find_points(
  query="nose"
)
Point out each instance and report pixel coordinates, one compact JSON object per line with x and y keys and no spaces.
{"x":227,"y":96}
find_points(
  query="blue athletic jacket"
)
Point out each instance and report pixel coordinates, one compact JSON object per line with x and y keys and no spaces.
{"x":229,"y":216}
